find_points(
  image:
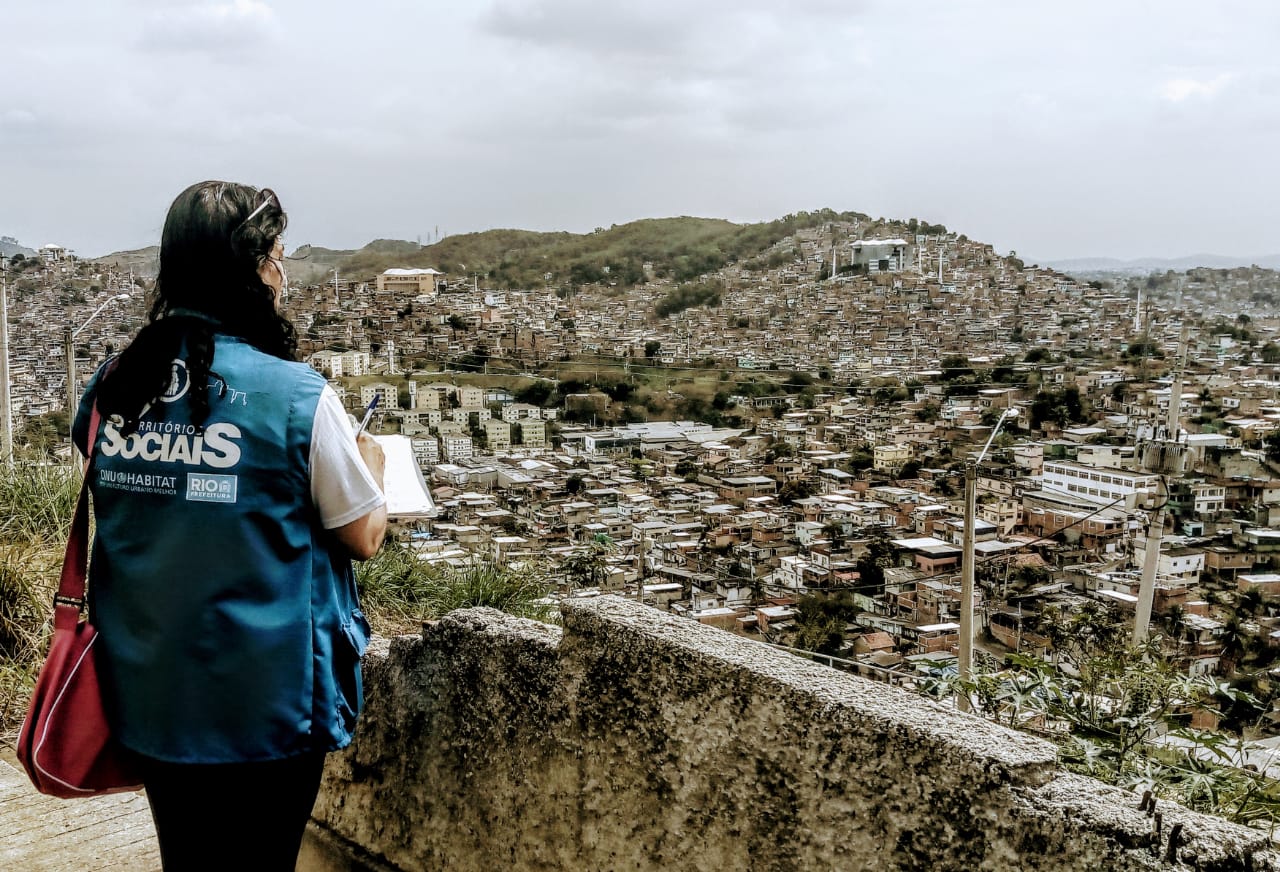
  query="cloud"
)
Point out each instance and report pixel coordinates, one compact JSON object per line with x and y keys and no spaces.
{"x":232,"y":28}
{"x":1177,"y":90}
{"x":15,"y":117}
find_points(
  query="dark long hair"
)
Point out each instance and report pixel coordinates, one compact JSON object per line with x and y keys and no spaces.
{"x":216,"y":238}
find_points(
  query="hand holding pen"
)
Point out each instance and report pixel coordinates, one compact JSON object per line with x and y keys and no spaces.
{"x":368,"y":413}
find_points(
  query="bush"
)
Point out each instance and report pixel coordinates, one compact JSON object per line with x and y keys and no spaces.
{"x":688,"y":296}
{"x":399,"y":590}
{"x":37,"y":500}
{"x":28,"y":576}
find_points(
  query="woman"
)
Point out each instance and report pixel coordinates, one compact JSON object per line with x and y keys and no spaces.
{"x":230,"y":496}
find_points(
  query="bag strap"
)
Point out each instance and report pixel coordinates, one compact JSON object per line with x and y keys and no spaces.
{"x":68,"y":603}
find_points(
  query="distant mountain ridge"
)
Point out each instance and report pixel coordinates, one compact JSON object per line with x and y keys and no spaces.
{"x":145,"y":262}
{"x":10,"y":246}
{"x":1159,"y":264}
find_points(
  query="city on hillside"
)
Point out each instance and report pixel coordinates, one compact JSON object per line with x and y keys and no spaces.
{"x":778,"y":445}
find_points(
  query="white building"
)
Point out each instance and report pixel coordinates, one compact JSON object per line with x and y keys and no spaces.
{"x":426,"y":450}
{"x":513,"y":412}
{"x":1183,"y":564}
{"x":533,"y":433}
{"x":457,"y":446}
{"x":355,"y":363}
{"x":328,"y":363}
{"x":417,"y":281}
{"x":389,"y":395}
{"x":498,"y":434}
{"x":1101,"y":485}
{"x":879,"y":255}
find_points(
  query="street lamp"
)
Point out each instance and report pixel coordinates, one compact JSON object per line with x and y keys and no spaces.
{"x":69,"y":348}
{"x":964,"y":660}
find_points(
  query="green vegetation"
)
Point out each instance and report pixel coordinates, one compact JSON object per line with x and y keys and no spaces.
{"x":820,"y":622}
{"x":680,"y":249}
{"x":399,"y":591}
{"x":37,"y":500}
{"x":1060,"y":407}
{"x":688,"y":296}
{"x":1129,"y":718}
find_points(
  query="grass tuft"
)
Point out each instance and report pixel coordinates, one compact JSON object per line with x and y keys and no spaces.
{"x":399,"y":590}
{"x":37,"y":501}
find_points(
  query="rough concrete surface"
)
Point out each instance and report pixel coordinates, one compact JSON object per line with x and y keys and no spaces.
{"x":44,"y":834}
{"x":633,"y":739}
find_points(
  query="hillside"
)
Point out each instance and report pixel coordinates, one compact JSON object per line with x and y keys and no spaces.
{"x":624,"y":254}
{"x":143,"y":261}
{"x":10,"y":246}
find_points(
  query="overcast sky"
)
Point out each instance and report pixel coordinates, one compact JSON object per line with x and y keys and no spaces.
{"x":1115,"y":128}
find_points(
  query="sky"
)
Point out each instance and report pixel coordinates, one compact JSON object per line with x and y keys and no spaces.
{"x":1121,"y":128}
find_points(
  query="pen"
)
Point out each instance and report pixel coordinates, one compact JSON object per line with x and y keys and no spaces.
{"x":368,"y":413}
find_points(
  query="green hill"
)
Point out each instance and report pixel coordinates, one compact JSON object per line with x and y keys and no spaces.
{"x":625,"y":254}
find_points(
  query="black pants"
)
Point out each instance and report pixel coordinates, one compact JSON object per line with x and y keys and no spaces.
{"x":245,"y":817}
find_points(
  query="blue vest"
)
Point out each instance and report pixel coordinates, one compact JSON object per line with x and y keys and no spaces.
{"x":231,"y":628}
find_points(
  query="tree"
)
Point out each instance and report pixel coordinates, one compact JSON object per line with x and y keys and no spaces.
{"x":651,"y":348}
{"x":834,"y":533}
{"x":1060,"y":407}
{"x":779,"y":450}
{"x":586,"y":566}
{"x":955,"y":367}
{"x":820,"y":623}
{"x":927,"y":412}
{"x":1272,"y":443}
{"x":797,"y":489}
{"x":1250,"y":602}
{"x":1237,"y":643}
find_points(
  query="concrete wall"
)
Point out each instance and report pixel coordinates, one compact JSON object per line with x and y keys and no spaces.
{"x":632,"y":739}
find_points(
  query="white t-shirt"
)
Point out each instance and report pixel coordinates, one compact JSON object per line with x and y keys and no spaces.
{"x":342,"y":487}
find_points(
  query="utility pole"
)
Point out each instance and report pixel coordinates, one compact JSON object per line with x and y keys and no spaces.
{"x":6,"y":408}
{"x":964,"y":656}
{"x":73,"y":392}
{"x":68,"y":349}
{"x":1160,"y":456}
